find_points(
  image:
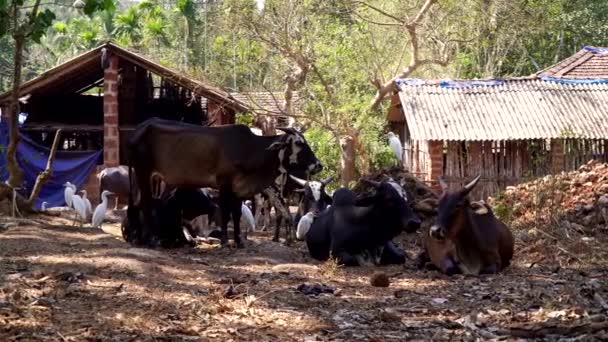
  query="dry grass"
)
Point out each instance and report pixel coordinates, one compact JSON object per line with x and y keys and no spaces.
{"x":73,"y":284}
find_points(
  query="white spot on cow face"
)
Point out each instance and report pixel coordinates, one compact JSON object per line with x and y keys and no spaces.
{"x":295,"y":149}
{"x":315,"y":187}
{"x":281,"y":158}
{"x":295,"y":140}
{"x":399,"y":189}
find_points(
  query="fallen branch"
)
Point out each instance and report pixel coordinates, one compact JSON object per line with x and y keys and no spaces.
{"x":538,"y":331}
{"x":45,"y":175}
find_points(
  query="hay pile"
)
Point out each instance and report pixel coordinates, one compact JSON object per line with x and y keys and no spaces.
{"x":576,"y":200}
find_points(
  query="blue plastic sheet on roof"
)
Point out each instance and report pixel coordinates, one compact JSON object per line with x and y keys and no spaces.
{"x":69,"y":166}
{"x":410,"y":82}
{"x":449,"y":83}
{"x":596,"y":50}
{"x":468,"y":84}
{"x":574,"y":80}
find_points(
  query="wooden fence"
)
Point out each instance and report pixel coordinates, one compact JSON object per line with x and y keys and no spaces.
{"x":504,"y":163}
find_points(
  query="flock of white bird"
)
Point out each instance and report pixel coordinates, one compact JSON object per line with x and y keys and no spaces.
{"x":82,"y":206}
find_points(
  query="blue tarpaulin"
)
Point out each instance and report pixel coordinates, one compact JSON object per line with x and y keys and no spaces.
{"x":574,"y":80}
{"x":410,"y":82}
{"x":601,"y":51}
{"x":468,"y":84}
{"x":449,"y":83}
{"x":69,"y":166}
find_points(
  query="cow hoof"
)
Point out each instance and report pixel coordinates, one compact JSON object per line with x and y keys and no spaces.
{"x":240,"y":244}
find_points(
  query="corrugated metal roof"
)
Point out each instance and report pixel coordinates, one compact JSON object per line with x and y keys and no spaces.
{"x":515,"y":110}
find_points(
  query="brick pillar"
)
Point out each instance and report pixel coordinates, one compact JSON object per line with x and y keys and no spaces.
{"x":111,"y":143}
{"x":557,"y":156}
{"x":216,"y":113}
{"x":436,"y":162}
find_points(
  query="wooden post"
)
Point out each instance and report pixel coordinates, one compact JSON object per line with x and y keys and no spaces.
{"x":557,"y":156}
{"x":111,"y":140}
{"x":436,"y":162}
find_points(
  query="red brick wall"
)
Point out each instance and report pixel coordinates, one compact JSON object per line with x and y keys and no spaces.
{"x":111,"y":139}
{"x":219,"y":114}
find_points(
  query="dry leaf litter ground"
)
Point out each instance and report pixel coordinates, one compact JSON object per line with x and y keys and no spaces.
{"x":63,"y":283}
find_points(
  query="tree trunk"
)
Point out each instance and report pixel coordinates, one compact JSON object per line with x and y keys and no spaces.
{"x":347,"y":159}
{"x":45,"y":175}
{"x":15,"y":173}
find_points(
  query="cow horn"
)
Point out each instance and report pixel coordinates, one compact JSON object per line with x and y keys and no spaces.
{"x":371,"y":182}
{"x":298,"y":180}
{"x":327,"y":180}
{"x":443,"y":183}
{"x":472,"y":184}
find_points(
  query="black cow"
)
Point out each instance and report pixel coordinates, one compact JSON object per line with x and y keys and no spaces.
{"x":229,"y":158}
{"x":346,"y":230}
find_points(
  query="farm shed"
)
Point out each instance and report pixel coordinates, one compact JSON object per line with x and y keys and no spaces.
{"x":269,"y":109}
{"x":507,"y":130}
{"x":98,"y":97}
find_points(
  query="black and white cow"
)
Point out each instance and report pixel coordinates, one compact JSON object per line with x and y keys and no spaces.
{"x":348,"y":230}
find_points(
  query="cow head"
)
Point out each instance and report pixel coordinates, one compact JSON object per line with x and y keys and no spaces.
{"x":295,"y":153}
{"x":395,"y":201}
{"x":315,"y":198}
{"x":452,"y":210}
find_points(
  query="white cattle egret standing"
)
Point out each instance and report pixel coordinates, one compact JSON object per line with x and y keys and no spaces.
{"x":304,"y":225}
{"x":395,"y":143}
{"x":87,"y":203}
{"x":69,"y":191}
{"x":100,"y":212}
{"x":247,"y":216}
{"x":81,"y":209}
{"x":43,"y":206}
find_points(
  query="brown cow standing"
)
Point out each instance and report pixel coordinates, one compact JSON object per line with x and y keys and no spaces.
{"x":464,"y":240}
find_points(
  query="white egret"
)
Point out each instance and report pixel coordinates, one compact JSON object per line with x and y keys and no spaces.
{"x":87,"y":203}
{"x":304,"y":225}
{"x":247,"y":217}
{"x":43,"y":206}
{"x":70,"y":190}
{"x":81,"y":209}
{"x":100,"y":211}
{"x":395,"y":143}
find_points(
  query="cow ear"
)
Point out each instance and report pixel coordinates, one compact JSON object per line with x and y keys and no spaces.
{"x":276,"y":146}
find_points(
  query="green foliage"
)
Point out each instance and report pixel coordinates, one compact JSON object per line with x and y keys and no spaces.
{"x":227,"y":43}
{"x":244,"y":119}
{"x":327,"y":149}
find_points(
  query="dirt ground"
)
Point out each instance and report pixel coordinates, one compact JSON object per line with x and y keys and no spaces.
{"x":64,"y":283}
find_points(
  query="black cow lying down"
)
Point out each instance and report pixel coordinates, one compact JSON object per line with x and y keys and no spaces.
{"x":229,"y":158}
{"x":348,"y":231}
